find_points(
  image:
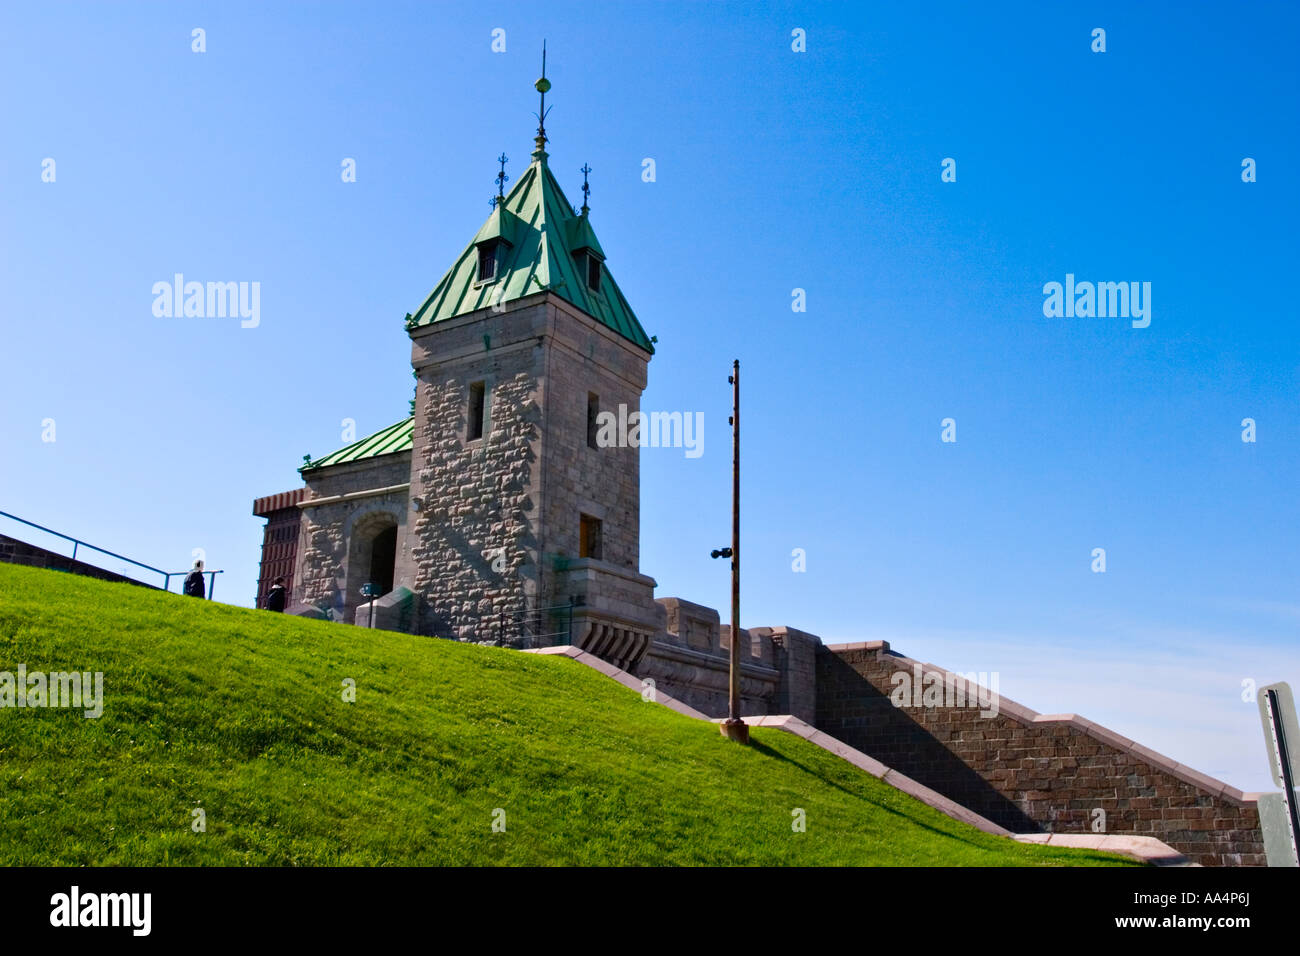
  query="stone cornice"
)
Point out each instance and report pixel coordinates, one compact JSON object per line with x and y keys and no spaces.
{"x":353,"y":495}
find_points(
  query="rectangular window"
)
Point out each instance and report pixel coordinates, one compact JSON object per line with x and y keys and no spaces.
{"x":593,"y":273}
{"x":477,"y":410}
{"x":487,"y":262}
{"x":589,"y":538}
{"x":593,"y":413}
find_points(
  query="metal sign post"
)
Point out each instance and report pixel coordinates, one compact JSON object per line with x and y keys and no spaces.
{"x":1279,"y":817}
{"x":371,"y":591}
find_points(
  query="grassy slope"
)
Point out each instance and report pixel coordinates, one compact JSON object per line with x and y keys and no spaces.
{"x":241,"y":712}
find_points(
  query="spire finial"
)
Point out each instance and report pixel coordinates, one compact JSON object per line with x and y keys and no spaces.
{"x":542,"y":85}
{"x":501,"y":181}
{"x":586,"y":190}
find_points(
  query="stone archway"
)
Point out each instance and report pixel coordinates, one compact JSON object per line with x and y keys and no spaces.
{"x":372,"y":556}
{"x":383,"y":559}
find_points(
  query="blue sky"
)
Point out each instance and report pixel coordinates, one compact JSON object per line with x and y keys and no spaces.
{"x":775,"y":170}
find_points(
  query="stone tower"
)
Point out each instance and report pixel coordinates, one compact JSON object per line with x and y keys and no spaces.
{"x":518,"y":520}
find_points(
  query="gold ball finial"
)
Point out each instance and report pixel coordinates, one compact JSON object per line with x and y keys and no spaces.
{"x":542,"y":85}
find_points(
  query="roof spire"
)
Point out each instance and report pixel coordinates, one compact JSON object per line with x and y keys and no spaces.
{"x":542,"y":85}
{"x":586,"y":190}
{"x":501,"y":181}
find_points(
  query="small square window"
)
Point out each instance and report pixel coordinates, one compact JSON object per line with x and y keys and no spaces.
{"x":593,"y":273}
{"x":487,"y":262}
{"x":477,"y":410}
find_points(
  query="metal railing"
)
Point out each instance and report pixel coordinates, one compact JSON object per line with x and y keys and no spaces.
{"x":536,"y":627}
{"x":78,"y":543}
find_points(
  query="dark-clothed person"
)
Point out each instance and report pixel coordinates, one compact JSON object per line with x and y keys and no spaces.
{"x":275,"y":596}
{"x":194,"y":581}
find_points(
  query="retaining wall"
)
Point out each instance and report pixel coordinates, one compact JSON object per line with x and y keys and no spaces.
{"x":1026,"y":771}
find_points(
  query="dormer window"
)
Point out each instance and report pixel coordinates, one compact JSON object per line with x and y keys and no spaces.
{"x":588,"y":257}
{"x":487,"y":261}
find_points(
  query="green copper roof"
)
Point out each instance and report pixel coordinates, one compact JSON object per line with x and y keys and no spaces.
{"x":502,"y":224}
{"x":391,"y":440}
{"x":581,"y":236}
{"x":543,"y":233}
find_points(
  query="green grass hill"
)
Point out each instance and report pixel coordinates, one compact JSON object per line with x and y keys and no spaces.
{"x":242,"y":713}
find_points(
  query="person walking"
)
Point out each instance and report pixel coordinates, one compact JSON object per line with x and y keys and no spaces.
{"x":275,"y":596}
{"x":194,"y":581}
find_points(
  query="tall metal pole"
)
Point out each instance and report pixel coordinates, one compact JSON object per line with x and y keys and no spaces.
{"x":735,"y":542}
{"x":734,"y":727}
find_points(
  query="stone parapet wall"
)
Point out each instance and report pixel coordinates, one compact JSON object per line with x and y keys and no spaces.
{"x":690,"y":625}
{"x":794,"y":655}
{"x":13,"y":551}
{"x":703,"y":680}
{"x":689,"y":658}
{"x":755,"y":648}
{"x":1026,"y":771}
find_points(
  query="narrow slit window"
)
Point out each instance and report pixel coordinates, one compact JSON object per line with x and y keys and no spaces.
{"x":593,"y":413}
{"x":477,"y":410}
{"x":487,"y":262}
{"x":593,"y":273}
{"x":589,"y":538}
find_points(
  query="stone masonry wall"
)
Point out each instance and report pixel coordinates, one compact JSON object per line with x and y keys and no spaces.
{"x":689,"y":659}
{"x":13,"y":551}
{"x":325,"y":574}
{"x":499,"y":522}
{"x":1028,"y":772}
{"x":584,"y":357}
{"x":473,"y":551}
{"x":794,"y":654}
